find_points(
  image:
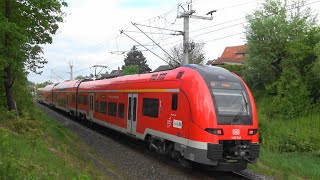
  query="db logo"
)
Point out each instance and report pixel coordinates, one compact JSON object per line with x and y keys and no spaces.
{"x":236,"y":132}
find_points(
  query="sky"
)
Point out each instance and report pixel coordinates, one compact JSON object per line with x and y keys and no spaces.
{"x":91,"y":35}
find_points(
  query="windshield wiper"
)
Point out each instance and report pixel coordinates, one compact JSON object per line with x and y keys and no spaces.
{"x":237,"y":117}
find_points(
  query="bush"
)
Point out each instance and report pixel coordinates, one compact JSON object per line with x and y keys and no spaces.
{"x":297,"y":135}
{"x":238,"y":69}
{"x":292,"y":97}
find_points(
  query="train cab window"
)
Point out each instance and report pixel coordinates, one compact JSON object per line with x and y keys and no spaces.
{"x":174,"y":104}
{"x":103,"y":107}
{"x":85,"y":100}
{"x":150,"y":107}
{"x":112,"y":109}
{"x":96,"y":106}
{"x":121,"y":110}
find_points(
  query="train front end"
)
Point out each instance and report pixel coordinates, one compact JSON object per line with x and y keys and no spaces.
{"x":225,"y":118}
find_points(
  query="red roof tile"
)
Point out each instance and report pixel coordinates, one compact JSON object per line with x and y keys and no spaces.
{"x":233,"y":54}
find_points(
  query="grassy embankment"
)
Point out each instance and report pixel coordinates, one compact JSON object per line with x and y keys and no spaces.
{"x":40,"y":148}
{"x":290,"y":148}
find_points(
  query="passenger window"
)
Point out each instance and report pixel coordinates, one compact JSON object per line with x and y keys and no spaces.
{"x":174,"y":104}
{"x":150,"y":107}
{"x":80,"y":99}
{"x":96,"y":106}
{"x":73,"y":99}
{"x":85,"y":100}
{"x":112,"y":109}
{"x":103,"y":107}
{"x":121,"y":110}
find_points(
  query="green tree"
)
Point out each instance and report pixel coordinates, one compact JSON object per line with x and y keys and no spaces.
{"x":314,"y":75}
{"x":129,"y":70}
{"x":24,"y":26}
{"x":196,"y":54}
{"x":79,"y":77}
{"x":42,"y":85}
{"x":281,"y":37}
{"x":135,"y":57}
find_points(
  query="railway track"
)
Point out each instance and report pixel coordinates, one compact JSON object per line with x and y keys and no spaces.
{"x":139,"y":146}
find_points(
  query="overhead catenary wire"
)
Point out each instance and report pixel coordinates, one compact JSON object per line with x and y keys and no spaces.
{"x":157,"y":44}
{"x":163,"y":38}
{"x":144,"y":47}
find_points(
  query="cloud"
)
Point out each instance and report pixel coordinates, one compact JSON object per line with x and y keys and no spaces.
{"x":91,"y":32}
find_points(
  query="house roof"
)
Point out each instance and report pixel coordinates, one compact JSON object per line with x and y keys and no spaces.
{"x":232,"y":54}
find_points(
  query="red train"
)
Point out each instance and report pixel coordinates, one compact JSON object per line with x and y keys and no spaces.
{"x":197,"y":113}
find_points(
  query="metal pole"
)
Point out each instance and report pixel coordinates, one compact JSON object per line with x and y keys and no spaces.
{"x":186,"y":39}
{"x":71,"y":72}
{"x":186,"y":16}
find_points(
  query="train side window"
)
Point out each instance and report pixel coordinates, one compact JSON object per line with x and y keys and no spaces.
{"x":150,"y":107}
{"x":73,"y":99}
{"x":96,"y":106}
{"x":174,"y":104}
{"x":112,"y":109}
{"x":121,"y":110}
{"x":85,"y":100}
{"x":80,"y":99}
{"x":103,"y":107}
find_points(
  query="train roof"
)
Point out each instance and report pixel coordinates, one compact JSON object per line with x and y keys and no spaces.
{"x":48,"y":87}
{"x":67,"y":85}
{"x":215,"y":73}
{"x":209,"y":73}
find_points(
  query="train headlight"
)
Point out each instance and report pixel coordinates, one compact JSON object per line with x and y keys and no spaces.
{"x":252,"y":131}
{"x":214,"y":131}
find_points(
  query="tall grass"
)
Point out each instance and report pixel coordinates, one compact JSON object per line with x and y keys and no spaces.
{"x":290,"y":148}
{"x":41,"y":149}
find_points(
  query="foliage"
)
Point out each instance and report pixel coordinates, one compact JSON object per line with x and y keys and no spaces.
{"x":238,"y":69}
{"x":316,"y":65}
{"x":23,"y":94}
{"x":129,"y":70}
{"x":292,"y":97}
{"x":287,"y":165}
{"x":25,"y":25}
{"x":79,"y":77}
{"x":295,"y":135}
{"x":28,"y":144}
{"x":42,"y":85}
{"x":281,"y":38}
{"x":196,"y":54}
{"x":313,"y":77}
{"x":136,"y":58}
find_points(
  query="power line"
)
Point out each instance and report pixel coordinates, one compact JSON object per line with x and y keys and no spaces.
{"x":224,"y":37}
{"x":217,"y":29}
{"x":151,"y":33}
{"x":218,"y":24}
{"x":143,"y":46}
{"x":228,"y":7}
{"x":156,"y":43}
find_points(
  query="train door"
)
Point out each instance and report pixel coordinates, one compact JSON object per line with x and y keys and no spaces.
{"x":91,"y":106}
{"x":132,"y":113}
